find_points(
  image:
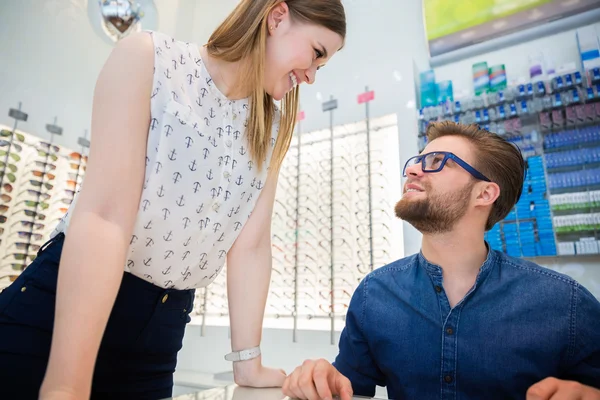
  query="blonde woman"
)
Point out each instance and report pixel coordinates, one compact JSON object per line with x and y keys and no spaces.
{"x":187,"y":144}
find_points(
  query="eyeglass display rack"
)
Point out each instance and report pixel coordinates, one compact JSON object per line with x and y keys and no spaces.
{"x":556,"y":125}
{"x":321,"y":231}
{"x":36,"y":188}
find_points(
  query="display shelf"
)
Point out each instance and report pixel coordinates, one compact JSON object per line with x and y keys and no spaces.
{"x":556,"y":125}
{"x":321,"y":230}
{"x":36,"y":188}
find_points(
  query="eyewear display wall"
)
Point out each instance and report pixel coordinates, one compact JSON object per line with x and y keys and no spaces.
{"x":320,"y":256}
{"x":38,"y":181}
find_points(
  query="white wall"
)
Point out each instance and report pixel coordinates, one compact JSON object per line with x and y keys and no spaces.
{"x":50,"y":59}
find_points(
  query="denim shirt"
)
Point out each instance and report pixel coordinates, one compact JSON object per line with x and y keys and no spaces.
{"x":519,"y":324}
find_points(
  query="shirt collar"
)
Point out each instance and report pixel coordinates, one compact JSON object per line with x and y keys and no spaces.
{"x":436,"y":271}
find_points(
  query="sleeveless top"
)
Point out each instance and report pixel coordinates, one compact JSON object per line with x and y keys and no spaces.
{"x":200,"y":183}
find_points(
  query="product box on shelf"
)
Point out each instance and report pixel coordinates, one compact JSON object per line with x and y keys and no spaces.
{"x":481,"y":78}
{"x":428,"y":89}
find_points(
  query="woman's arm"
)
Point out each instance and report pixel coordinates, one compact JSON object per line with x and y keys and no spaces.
{"x":249,"y":265}
{"x":94,"y":252}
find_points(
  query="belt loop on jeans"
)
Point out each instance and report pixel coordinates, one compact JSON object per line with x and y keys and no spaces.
{"x":49,"y":242}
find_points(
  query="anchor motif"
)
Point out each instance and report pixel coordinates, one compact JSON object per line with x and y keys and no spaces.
{"x":188,"y":141}
{"x":176,"y":177}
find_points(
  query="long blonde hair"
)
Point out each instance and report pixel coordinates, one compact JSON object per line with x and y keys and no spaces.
{"x":243,"y":36}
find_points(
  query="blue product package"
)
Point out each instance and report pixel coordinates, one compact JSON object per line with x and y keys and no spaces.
{"x":529,"y":251}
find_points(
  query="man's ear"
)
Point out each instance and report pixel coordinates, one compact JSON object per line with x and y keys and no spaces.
{"x":487,"y":193}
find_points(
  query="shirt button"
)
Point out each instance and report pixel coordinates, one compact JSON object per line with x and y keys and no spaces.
{"x":164,"y":299}
{"x":438,"y":289}
{"x":448,"y":379}
{"x":226,"y":174}
{"x":216,"y":207}
{"x":23,"y":289}
{"x":449,"y":331}
{"x":229,"y":143}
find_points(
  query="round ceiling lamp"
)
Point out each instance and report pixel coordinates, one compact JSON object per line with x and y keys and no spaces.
{"x":115,"y":19}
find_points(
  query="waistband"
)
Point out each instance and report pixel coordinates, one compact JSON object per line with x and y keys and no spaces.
{"x":171,"y":298}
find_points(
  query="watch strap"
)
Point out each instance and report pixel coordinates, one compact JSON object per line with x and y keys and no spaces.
{"x":243,"y":355}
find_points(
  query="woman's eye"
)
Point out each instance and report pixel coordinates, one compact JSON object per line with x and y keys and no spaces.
{"x":318,"y":53}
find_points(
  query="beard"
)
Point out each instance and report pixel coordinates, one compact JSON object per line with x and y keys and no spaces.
{"x":436,"y":213}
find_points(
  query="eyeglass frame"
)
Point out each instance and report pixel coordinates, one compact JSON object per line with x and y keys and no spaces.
{"x":447,"y":155}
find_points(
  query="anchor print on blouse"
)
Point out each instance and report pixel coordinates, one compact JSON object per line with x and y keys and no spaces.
{"x":201,"y":184}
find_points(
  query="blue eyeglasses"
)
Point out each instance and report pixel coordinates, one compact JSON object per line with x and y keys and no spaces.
{"x":435,"y":161}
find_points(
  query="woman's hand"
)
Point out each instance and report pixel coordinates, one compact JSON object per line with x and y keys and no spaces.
{"x":253,"y":374}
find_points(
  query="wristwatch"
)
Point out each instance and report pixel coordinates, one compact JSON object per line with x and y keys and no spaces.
{"x":243,"y":355}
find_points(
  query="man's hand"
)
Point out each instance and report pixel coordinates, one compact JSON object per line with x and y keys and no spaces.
{"x":316,"y":380}
{"x":556,"y":389}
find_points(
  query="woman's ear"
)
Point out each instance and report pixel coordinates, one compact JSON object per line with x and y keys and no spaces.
{"x":277,"y":15}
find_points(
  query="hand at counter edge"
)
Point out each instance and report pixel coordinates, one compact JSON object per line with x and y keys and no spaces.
{"x":252,"y":373}
{"x":557,"y":389}
{"x":317,"y":379}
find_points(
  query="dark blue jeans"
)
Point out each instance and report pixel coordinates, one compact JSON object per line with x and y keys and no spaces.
{"x":138,"y":353}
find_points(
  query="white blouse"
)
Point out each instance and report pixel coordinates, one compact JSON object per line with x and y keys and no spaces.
{"x":200,"y":184}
